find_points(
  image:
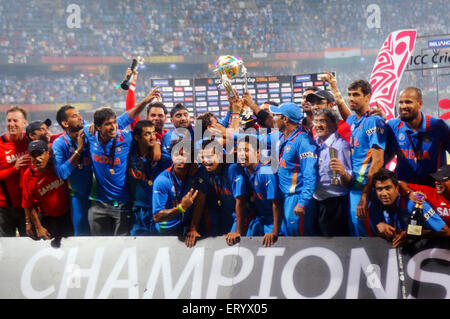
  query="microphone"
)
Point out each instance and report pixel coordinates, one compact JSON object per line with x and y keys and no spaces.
{"x":126,"y":83}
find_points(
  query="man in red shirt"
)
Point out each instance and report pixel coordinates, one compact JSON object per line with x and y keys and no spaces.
{"x":14,"y":159}
{"x":438,"y":197}
{"x":43,"y":188}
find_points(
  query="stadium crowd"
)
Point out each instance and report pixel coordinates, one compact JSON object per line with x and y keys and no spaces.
{"x":39,"y":28}
{"x":315,"y":169}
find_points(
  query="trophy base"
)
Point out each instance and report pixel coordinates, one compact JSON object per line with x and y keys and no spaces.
{"x":335,"y":181}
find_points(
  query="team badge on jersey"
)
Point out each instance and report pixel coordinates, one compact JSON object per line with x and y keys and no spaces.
{"x":426,"y":139}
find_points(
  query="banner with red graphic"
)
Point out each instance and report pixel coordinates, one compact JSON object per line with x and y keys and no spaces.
{"x":388,"y":70}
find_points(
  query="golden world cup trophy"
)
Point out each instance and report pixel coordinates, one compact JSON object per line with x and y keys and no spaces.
{"x":335,"y":179}
{"x":228,"y":67}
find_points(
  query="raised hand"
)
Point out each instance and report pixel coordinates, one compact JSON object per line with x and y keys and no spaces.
{"x":330,"y":78}
{"x":154,"y":94}
{"x":188,"y":199}
{"x":23,"y":161}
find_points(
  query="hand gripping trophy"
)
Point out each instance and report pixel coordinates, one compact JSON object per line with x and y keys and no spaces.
{"x":134,"y":64}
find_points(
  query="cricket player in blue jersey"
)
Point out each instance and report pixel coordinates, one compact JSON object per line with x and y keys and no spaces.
{"x":109,"y":148}
{"x":268,"y":138}
{"x":419,"y":140}
{"x":175,"y":190}
{"x":142,"y":171}
{"x":368,"y":141}
{"x":181,"y":120}
{"x":390,"y":212}
{"x":297,"y":169}
{"x":72,"y":160}
{"x":223,"y":210}
{"x":266,"y":195}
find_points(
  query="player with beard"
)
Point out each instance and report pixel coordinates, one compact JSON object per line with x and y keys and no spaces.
{"x":156,"y":111}
{"x":297,"y":169}
{"x":418,"y":139}
{"x":180,"y":118}
{"x":72,"y":160}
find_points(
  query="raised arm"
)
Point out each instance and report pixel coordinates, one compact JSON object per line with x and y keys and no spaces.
{"x":135,"y":111}
{"x":344,"y":110}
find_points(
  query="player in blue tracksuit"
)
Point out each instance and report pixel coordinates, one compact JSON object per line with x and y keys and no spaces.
{"x":419,"y":140}
{"x":142,"y":172}
{"x":390,"y":212}
{"x":368,"y":141}
{"x":266,"y":195}
{"x":174,"y":193}
{"x":297,"y":170}
{"x":72,"y":163}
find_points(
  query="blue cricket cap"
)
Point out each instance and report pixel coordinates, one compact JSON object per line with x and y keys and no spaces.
{"x":291,"y":110}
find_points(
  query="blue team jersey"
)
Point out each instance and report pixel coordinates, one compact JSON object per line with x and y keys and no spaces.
{"x":298,"y":166}
{"x":430,"y":143}
{"x":79,"y":177}
{"x":264,"y":185}
{"x":367,"y":132}
{"x":171,"y":135}
{"x":268,"y":142}
{"x":224,"y":186}
{"x":141,"y":176}
{"x":168,"y":190}
{"x":399,"y":218}
{"x":111,"y":173}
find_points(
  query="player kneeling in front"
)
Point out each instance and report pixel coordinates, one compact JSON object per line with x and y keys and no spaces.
{"x":399,"y":219}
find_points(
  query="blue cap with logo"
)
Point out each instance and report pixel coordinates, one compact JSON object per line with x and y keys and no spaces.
{"x":291,"y":110}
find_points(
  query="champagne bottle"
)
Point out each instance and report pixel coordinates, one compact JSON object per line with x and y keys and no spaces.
{"x":414,"y":231}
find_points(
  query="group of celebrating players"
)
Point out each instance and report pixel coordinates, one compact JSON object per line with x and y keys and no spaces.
{"x":313,"y":169}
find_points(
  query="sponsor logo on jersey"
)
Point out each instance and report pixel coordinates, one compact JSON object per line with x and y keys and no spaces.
{"x":308,"y":155}
{"x":53,"y":185}
{"x":379,"y":130}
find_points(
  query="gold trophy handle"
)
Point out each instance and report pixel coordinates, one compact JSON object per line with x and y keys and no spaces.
{"x":244,"y":72}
